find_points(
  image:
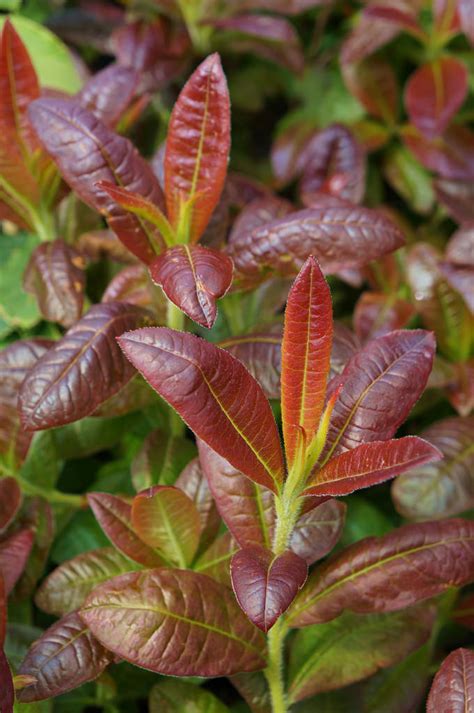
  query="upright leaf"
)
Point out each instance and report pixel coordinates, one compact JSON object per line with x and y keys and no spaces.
{"x":82,"y":370}
{"x":197,"y":148}
{"x":174,"y":622}
{"x":453,"y":686}
{"x":242,"y":431}
{"x":14,"y":553}
{"x":63,"y":658}
{"x":193,"y":278}
{"x":306,"y":351}
{"x":193,"y":482}
{"x":389,"y":573}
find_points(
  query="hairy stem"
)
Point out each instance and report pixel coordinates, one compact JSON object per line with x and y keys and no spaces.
{"x":274,"y":670}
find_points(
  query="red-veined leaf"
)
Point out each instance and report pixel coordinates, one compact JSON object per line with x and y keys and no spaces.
{"x":242,"y":431}
{"x":114,"y":515}
{"x":374,"y":83}
{"x":63,"y":658}
{"x":306,"y":350}
{"x":174,"y":622}
{"x":193,"y":278}
{"x":193,"y":482}
{"x":453,"y":685}
{"x":10,"y":501}
{"x":197,"y":147}
{"x":55,"y":276}
{"x":265,"y":584}
{"x":16,"y":360}
{"x":166,"y":519}
{"x":215,"y":561}
{"x":434,"y":94}
{"x":318,"y":531}
{"x":444,"y":488}
{"x":66,"y":588}
{"x":132,"y":285}
{"x":380,"y":385}
{"x":259,"y":212}
{"x":370,"y":464}
{"x":86,"y":152}
{"x":80,"y":371}
{"x":109,"y":93}
{"x":376,"y":314}
{"x":14,"y":553}
{"x":6,"y":685}
{"x":389,"y":573}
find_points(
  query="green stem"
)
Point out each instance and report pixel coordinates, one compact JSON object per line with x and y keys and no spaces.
{"x":274,"y":670}
{"x":52,"y":496}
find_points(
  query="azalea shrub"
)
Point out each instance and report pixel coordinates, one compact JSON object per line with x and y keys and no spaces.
{"x":236,"y":365}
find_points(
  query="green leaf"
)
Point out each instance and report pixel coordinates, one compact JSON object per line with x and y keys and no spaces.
{"x":161,"y":459}
{"x":82,"y":533}
{"x":43,"y":464}
{"x":17,"y":307}
{"x":51,"y":58}
{"x":363,"y":519}
{"x":92,"y":435}
{"x":172,"y":696}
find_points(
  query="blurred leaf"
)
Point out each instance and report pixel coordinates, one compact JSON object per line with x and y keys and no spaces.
{"x":17,"y":308}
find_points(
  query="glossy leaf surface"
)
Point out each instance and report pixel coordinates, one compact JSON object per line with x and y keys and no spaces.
{"x":82,"y":370}
{"x":389,"y":573}
{"x":193,"y":278}
{"x":453,"y":686}
{"x":64,"y":657}
{"x":115,"y":517}
{"x":174,"y":622}
{"x":10,"y":501}
{"x":166,"y":519}
{"x":14,"y":553}
{"x":197,"y":146}
{"x":261,"y":354}
{"x":265,"y":584}
{"x":306,"y":350}
{"x":15,"y":362}
{"x":244,"y":432}
{"x":370,"y":464}
{"x":109,"y":92}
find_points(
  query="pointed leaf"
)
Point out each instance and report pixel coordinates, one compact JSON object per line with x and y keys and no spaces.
{"x":14,"y":553}
{"x":172,"y":696}
{"x":86,"y":151}
{"x":10,"y":501}
{"x":370,"y":464}
{"x":66,"y":588}
{"x":63,"y":658}
{"x":193,"y":482}
{"x":108,"y":93}
{"x":132,"y":285}
{"x":16,"y":360}
{"x":55,"y":275}
{"x":197,"y":146}
{"x":445,"y":488}
{"x":339,"y":236}
{"x":166,"y":519}
{"x":380,"y":385}
{"x":318,"y":531}
{"x":329,"y":656}
{"x":114,"y":515}
{"x":453,"y":686}
{"x":434,"y":94}
{"x":266,"y":584}
{"x":389,"y":573}
{"x":215,"y":561}
{"x":174,"y":622}
{"x":261,"y":354}
{"x":193,"y":277}
{"x":244,"y":432}
{"x":82,"y":370}
{"x":306,"y":350}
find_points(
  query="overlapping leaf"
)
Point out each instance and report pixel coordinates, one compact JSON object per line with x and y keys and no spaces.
{"x":14,"y":553}
{"x":261,"y":354}
{"x":82,"y":370}
{"x":10,"y":501}
{"x":215,"y":561}
{"x":317,"y":532}
{"x":374,"y":83}
{"x":376,"y":314}
{"x":244,"y":432}
{"x":6,"y":684}
{"x":450,"y":155}
{"x":389,"y":573}
{"x":453,"y":686}
{"x":193,"y":482}
{"x":109,"y":92}
{"x":174,"y":622}
{"x":160,"y":459}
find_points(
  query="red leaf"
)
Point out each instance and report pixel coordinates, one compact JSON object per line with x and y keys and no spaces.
{"x":108,"y":93}
{"x":174,"y":622}
{"x":266,"y":584}
{"x":375,"y":85}
{"x":389,"y":573}
{"x":81,"y":371}
{"x":193,"y":277}
{"x":197,"y":147}
{"x":193,"y":482}
{"x":288,"y":151}
{"x":306,"y":350}
{"x":453,"y":685}
{"x":86,"y":152}
{"x":16,"y":360}
{"x":14,"y":553}
{"x":132,"y":285}
{"x":114,"y":515}
{"x":380,"y":385}
{"x":10,"y":501}
{"x":400,"y":12}
{"x":369,"y":34}
{"x":243,"y":432}
{"x":377,"y":313}
{"x":261,"y":354}
{"x":451,"y":155}
{"x":457,"y":197}
{"x":370,"y":464}
{"x":6,"y":685}
{"x":63,"y":658}
{"x":434,"y":94}
{"x":318,"y":531}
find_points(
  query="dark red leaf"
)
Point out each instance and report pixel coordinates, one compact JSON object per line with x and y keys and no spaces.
{"x":261,"y":354}
{"x":6,"y":685}
{"x":197,"y":148}
{"x":451,"y":155}
{"x":457,"y":197}
{"x":375,"y":85}
{"x":132,"y":285}
{"x":55,"y":275}
{"x":265,"y":584}
{"x":453,"y":685}
{"x":244,"y":432}
{"x":63,"y":658}
{"x":109,"y":92}
{"x":464,"y":612}
{"x":193,"y":278}
{"x":318,"y":531}
{"x":389,"y":573}
{"x":434,"y":94}
{"x":82,"y":370}
{"x":344,"y":345}
{"x":16,"y":360}
{"x":288,"y":151}
{"x":87,"y":152}
{"x":14,"y":553}
{"x":377,"y":313}
{"x":174,"y":622}
{"x":402,"y":13}
{"x":259,"y":212}
{"x":193,"y":482}
{"x":10,"y":501}
{"x":104,"y":244}
{"x":370,"y":464}
{"x":114,"y":515}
